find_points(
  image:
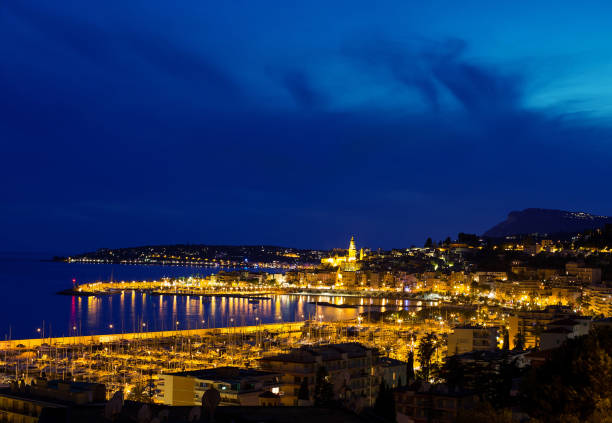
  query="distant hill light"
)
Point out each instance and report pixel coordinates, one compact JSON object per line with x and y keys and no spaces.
{"x":546,"y":221}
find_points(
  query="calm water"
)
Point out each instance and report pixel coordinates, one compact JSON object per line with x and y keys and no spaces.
{"x":29,"y":287}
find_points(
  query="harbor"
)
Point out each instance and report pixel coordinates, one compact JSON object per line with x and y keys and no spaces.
{"x":130,"y":360}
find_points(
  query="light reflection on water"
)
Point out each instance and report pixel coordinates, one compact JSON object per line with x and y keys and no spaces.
{"x":136,"y":311}
{"x":29,"y":302}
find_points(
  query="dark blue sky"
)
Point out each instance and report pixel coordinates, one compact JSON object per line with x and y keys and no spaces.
{"x":297,"y":123}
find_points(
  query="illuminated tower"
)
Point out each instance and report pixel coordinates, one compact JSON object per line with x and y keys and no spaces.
{"x":361,"y":255}
{"x":352,"y":252}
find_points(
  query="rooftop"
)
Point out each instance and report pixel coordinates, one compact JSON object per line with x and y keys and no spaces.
{"x":45,"y":402}
{"x":569,"y":321}
{"x":226,"y":374}
{"x":558,"y":330}
{"x":325,"y":353}
{"x":474,"y":327}
{"x":391,"y":361}
{"x":439,"y":389}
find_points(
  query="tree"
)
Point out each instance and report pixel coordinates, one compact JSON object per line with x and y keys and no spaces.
{"x":506,"y":346}
{"x":453,"y":372}
{"x":426,"y":350}
{"x":469,"y":239}
{"x":484,"y":413}
{"x":537,"y":331}
{"x":492,"y":382}
{"x":519,"y":341}
{"x":410,"y":366}
{"x":575,"y":383}
{"x":385,"y":403}
{"x":499,"y":388}
{"x":324,"y":389}
{"x":139,"y":393}
{"x":428,"y":243}
{"x":303,"y":393}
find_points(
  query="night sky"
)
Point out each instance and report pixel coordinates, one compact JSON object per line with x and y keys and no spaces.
{"x":297,"y":123}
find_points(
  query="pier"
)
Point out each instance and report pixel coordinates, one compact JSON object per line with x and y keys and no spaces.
{"x":133,"y":336}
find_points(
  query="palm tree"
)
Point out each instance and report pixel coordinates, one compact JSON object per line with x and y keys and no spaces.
{"x":426,"y":350}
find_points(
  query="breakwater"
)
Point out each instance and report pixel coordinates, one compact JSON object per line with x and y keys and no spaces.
{"x":108,"y":338}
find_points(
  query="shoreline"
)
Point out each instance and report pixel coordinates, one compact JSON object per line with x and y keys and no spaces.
{"x":71,"y":292}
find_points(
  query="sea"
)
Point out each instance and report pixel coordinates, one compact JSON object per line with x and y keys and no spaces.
{"x":30,"y":306}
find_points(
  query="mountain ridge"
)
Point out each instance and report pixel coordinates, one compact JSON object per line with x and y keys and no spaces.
{"x":546,"y":221}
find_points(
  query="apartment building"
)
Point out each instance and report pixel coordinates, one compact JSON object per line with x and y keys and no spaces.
{"x":581,"y":274}
{"x":424,"y":403}
{"x":237,"y":386}
{"x":531,"y":323}
{"x":48,"y":401}
{"x":353,"y":369}
{"x":599,"y":298}
{"x":464,"y":339}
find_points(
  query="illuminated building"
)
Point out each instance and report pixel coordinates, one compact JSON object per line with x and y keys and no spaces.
{"x":585,"y":275}
{"x":352,"y":368}
{"x":352,"y":252}
{"x":236,"y":386}
{"x":465,"y":339}
{"x":531,"y":323}
{"x":599,"y":299}
{"x":484,"y":277}
{"x":346,"y":262}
